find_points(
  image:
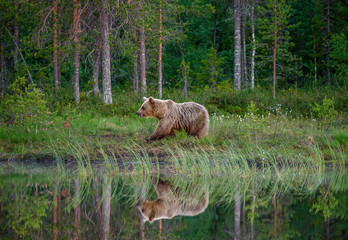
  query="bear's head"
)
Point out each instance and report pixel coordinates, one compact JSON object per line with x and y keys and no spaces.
{"x":152,"y":108}
{"x":148,"y":210}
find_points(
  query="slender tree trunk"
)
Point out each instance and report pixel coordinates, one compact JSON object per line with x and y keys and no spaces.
{"x":59,"y":46}
{"x":16,"y":36}
{"x":315,"y":62}
{"x":135,"y":62}
{"x":160,"y":52}
{"x":245,"y":71}
{"x":237,"y":46}
{"x":328,"y":43}
{"x":275,"y":49}
{"x":237,"y":216}
{"x":2,"y":63}
{"x":184,"y":72}
{"x":96,"y":68}
{"x":106,"y":207}
{"x":214,"y":22}
{"x":76,"y":50}
{"x":185,"y":90}
{"x":21,"y":55}
{"x":77,"y":210}
{"x":252,"y":70}
{"x":160,"y":227}
{"x":55,"y":45}
{"x":107,"y":95}
{"x":142,"y":62}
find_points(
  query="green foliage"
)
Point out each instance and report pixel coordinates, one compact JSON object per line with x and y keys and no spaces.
{"x":211,"y":72}
{"x":339,"y":55}
{"x":325,"y":203}
{"x":325,"y":112}
{"x":28,"y":218}
{"x":24,"y":104}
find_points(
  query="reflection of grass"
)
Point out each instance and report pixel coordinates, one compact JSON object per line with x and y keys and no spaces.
{"x":136,"y":185}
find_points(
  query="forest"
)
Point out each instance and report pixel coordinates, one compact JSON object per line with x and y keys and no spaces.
{"x":72,"y":72}
{"x":77,"y":162}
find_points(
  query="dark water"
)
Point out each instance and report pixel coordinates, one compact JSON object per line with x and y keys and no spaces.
{"x":45,"y":204}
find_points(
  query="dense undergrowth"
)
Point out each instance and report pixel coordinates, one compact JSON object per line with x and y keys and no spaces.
{"x":246,"y":125}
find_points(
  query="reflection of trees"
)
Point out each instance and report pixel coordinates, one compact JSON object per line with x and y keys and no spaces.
{"x":30,"y":208}
{"x":55,"y":210}
{"x":25,"y":208}
{"x":97,"y":206}
{"x":77,"y":209}
{"x":141,"y":218}
{"x":106,"y":206}
{"x":237,"y":215}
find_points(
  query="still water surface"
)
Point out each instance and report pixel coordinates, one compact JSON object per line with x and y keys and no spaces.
{"x":41,"y":203}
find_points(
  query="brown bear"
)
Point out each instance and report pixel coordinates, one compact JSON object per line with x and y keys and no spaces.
{"x":190,"y":116}
{"x":172,"y":202}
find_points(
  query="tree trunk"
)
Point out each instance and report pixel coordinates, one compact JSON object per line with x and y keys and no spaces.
{"x":275,"y":49}
{"x":106,"y":207}
{"x":214,"y":22}
{"x":237,"y":46}
{"x":315,"y":61}
{"x":237,"y":216}
{"x":76,"y":50}
{"x":21,"y":55}
{"x":55,"y":45}
{"x":77,"y":210}
{"x":252,"y":77}
{"x":59,"y":44}
{"x":245,"y":73}
{"x":2,"y":63}
{"x":135,"y":62}
{"x":16,"y":36}
{"x":160,"y":227}
{"x":160,"y":52}
{"x":184,"y":69}
{"x":328,"y":43}
{"x":142,"y":62}
{"x":107,"y":95}
{"x":185,"y":90}
{"x":96,"y":67}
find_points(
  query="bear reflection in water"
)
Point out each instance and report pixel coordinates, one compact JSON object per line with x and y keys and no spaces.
{"x":172,"y":202}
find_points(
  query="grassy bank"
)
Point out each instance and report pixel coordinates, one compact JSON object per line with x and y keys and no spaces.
{"x":273,"y":136}
{"x":254,"y":131}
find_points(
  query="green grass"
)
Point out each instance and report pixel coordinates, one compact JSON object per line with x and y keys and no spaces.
{"x":285,"y":131}
{"x":277,"y":139}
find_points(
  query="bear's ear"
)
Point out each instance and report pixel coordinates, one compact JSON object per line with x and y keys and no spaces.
{"x":152,"y":100}
{"x":145,"y":98}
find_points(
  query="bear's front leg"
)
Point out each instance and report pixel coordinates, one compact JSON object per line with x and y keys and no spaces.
{"x":163,"y":129}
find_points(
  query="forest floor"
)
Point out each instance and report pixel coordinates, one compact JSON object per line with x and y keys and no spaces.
{"x":231,"y":136}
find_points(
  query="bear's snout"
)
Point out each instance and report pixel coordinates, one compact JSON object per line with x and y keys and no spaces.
{"x":139,"y":114}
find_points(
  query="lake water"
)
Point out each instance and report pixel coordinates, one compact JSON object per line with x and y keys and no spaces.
{"x":51,"y":203}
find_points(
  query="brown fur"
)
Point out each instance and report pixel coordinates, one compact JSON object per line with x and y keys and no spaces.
{"x":170,"y":203}
{"x":190,"y":116}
